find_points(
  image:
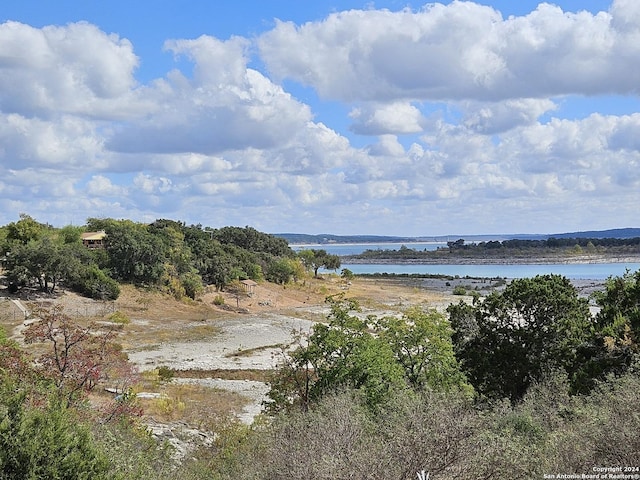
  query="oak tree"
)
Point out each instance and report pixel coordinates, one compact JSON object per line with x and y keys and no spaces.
{"x":517,"y":337}
{"x":376,"y":356}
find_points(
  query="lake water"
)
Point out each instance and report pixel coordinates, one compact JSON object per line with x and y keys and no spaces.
{"x":356,"y":248}
{"x":592,"y":271}
{"x":595,"y":271}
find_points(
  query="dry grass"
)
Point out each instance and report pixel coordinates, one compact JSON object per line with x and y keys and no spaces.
{"x":226,"y":374}
{"x":292,"y":296}
{"x":157,"y":318}
{"x":397,"y":294}
{"x":200,"y":407}
{"x":145,"y":337}
{"x":155,"y":306}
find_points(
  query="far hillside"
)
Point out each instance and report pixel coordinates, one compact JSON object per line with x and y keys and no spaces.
{"x":614,"y":233}
{"x":325,"y":238}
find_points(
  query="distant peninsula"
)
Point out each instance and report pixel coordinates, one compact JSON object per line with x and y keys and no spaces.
{"x":328,"y":239}
{"x":514,"y":251}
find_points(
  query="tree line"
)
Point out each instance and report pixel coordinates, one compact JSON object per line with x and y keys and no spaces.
{"x":514,"y":247}
{"x":168,"y":254}
{"x":497,"y":346}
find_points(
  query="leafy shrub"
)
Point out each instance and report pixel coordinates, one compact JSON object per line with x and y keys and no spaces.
{"x":46,"y":442}
{"x":459,"y":290}
{"x":165,"y":373}
{"x":119,"y":317}
{"x":218,"y":300}
{"x":192,"y":284}
{"x":175,"y":288}
{"x":374,"y":355}
{"x":280,"y":271}
{"x":94,"y":283}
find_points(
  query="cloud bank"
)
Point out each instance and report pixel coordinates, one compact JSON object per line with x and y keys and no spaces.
{"x":456,"y":122}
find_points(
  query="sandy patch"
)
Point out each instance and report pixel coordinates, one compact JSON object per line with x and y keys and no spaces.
{"x":245,"y":342}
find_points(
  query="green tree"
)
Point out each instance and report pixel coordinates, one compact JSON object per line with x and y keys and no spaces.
{"x":375,"y":356}
{"x":280,"y":271}
{"x":298,"y":270}
{"x":252,"y":240}
{"x":171,"y":234}
{"x":192,"y":284}
{"x":135,"y":255}
{"x":306,"y":256}
{"x":618,"y":322}
{"x":421,"y":344}
{"x":347,"y":274}
{"x":70,"y":234}
{"x":514,"y":338}
{"x":315,"y":259}
{"x":620,"y":306}
{"x":37,"y":261}
{"x":45,"y":441}
{"x":25,"y":230}
{"x":48,"y":261}
{"x":216,"y":268}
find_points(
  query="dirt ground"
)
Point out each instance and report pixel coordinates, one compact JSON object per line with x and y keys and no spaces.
{"x":244,"y":334}
{"x":222,"y":353}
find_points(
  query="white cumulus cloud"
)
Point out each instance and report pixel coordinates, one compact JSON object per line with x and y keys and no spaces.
{"x":460,"y":51}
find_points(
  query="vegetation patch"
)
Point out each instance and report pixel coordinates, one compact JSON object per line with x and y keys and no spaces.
{"x":257,"y":375}
{"x":247,"y":352}
{"x":202,"y":407}
{"x":119,"y":318}
{"x":459,"y":290}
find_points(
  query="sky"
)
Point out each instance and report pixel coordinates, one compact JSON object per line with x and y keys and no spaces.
{"x":343,"y":117}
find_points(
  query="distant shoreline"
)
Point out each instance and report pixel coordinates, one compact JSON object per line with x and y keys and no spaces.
{"x":349,"y":244}
{"x":511,"y":260}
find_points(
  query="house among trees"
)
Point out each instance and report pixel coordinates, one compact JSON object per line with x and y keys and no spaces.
{"x":249,"y":286}
{"x":93,"y":239}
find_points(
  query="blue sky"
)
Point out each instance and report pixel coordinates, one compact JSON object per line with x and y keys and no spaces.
{"x":343,"y":117}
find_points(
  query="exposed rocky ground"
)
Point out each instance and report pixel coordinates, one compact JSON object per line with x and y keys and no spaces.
{"x":243,"y":334}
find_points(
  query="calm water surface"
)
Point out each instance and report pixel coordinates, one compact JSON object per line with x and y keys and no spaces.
{"x":595,"y":271}
{"x":356,"y":248}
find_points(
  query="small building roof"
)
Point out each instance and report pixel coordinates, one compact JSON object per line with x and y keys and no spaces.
{"x":93,"y":235}
{"x":249,"y":283}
